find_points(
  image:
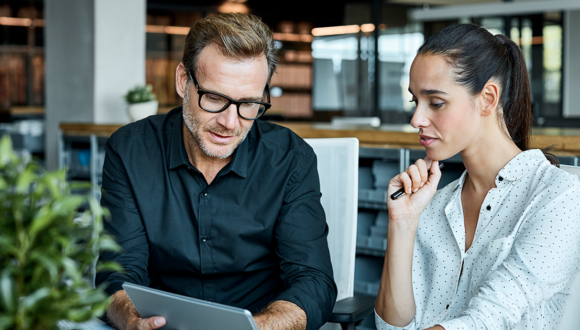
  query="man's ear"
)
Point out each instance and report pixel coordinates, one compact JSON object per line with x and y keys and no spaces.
{"x":489,"y":98}
{"x":181,"y":77}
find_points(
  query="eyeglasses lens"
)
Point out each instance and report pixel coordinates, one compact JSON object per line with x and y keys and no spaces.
{"x":249,"y":110}
{"x":212,"y":102}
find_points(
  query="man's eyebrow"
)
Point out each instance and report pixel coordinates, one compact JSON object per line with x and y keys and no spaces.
{"x":252,"y":98}
{"x":248,"y":98}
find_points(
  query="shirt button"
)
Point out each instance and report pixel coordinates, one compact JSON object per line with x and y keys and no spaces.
{"x":204,"y":239}
{"x":500,"y":178}
{"x":447,"y":307}
{"x":204,"y":193}
{"x":488,"y":207}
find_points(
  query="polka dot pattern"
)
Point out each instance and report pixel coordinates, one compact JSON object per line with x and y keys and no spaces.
{"x":523,"y":260}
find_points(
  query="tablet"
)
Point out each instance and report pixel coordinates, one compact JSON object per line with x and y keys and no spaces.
{"x":185,"y":313}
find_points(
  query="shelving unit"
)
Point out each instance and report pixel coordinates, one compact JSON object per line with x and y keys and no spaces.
{"x":21,"y":62}
{"x":83,"y":154}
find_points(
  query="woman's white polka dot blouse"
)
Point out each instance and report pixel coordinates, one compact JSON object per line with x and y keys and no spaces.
{"x":523,"y":259}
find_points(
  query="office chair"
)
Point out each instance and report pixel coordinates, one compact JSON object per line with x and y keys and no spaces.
{"x":338,"y":172}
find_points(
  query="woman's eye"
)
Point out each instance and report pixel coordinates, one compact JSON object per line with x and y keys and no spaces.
{"x":437,"y":105}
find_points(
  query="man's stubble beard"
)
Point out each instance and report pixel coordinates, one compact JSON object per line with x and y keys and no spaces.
{"x":192,"y":123}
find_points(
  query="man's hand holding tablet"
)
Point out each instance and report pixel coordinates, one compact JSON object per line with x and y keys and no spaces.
{"x":121,"y":305}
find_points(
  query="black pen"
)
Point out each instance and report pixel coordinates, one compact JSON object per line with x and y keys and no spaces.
{"x":401,"y":191}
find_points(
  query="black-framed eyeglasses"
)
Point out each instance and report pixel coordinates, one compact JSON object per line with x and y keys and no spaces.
{"x":215,"y":102}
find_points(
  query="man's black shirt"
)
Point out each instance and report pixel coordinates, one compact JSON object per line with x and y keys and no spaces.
{"x":256,"y":234}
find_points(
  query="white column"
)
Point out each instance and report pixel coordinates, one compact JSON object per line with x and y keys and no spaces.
{"x":119,"y":56}
{"x":95,"y":52}
{"x":571,"y":68}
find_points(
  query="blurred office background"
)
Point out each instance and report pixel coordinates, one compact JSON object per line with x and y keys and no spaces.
{"x":71,"y":60}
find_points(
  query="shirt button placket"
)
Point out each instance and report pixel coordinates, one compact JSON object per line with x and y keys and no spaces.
{"x":205,"y":244}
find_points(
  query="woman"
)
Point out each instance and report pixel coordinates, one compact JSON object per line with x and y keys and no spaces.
{"x":499,"y":247}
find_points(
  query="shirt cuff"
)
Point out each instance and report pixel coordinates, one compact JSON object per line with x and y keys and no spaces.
{"x":455,"y":324}
{"x":312,"y":308}
{"x":382,"y":325}
{"x":113,"y":286}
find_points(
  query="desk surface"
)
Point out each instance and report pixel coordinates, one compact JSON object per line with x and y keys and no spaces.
{"x":39,"y":110}
{"x":566,"y":140}
{"x":89,"y":325}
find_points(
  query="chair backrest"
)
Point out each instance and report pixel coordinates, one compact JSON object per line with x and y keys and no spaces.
{"x":338,"y":171}
{"x":571,"y":317}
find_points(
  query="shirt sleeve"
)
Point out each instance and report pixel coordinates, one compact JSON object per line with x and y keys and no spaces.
{"x":531,"y":273}
{"x":382,"y":325}
{"x":302,"y":247}
{"x":126,"y":225}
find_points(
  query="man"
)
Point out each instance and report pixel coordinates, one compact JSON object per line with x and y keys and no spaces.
{"x":211,"y":203}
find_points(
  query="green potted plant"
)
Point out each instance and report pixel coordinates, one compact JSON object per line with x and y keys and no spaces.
{"x":47,"y":247}
{"x":141,"y":102}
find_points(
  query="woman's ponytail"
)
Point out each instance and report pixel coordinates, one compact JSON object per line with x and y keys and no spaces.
{"x":517,"y":103}
{"x":516,"y":97}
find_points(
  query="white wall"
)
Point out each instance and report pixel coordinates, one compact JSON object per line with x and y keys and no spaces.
{"x":571,"y":81}
{"x":95,"y":52}
{"x":119,"y":56}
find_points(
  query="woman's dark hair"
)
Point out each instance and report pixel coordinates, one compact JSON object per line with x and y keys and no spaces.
{"x":476,"y":56}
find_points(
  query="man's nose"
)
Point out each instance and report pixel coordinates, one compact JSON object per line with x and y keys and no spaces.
{"x":229,"y":117}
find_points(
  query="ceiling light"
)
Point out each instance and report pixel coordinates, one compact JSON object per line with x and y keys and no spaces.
{"x":333,"y":30}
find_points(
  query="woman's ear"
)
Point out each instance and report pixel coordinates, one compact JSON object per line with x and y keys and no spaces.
{"x":180,"y":79}
{"x":489,"y":98}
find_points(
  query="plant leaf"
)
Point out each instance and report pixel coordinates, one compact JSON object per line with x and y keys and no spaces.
{"x":79,"y":314}
{"x":7,"y":291}
{"x":90,"y":297}
{"x":32,"y":299}
{"x":70,"y":268}
{"x":43,"y":218}
{"x":25,"y":179}
{"x":108,"y":244}
{"x":6,"y":322}
{"x":49,"y":264}
{"x":109,"y":266}
{"x":6,"y":153}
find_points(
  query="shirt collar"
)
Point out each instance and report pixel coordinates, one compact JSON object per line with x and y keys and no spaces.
{"x":520,"y":165}
{"x":178,"y":154}
{"x":176,"y":148}
{"x":515,"y":169}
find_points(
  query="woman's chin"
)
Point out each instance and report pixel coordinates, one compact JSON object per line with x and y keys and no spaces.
{"x":439,"y":154}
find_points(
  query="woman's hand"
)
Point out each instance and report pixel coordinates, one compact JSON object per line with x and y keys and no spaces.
{"x":419,"y":189}
{"x":395,"y":302}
